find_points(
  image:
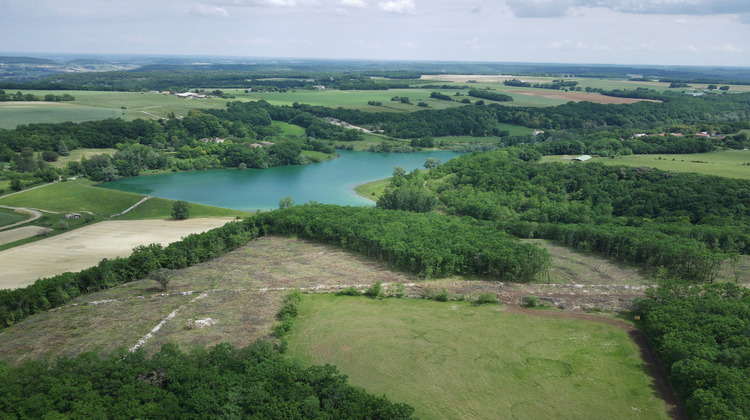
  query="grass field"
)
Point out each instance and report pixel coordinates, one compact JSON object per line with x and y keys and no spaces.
{"x":727,"y":163}
{"x":16,"y":113}
{"x":8,"y":217}
{"x":455,"y":360}
{"x":73,"y":196}
{"x":77,"y":154}
{"x":292,"y":129}
{"x":372,"y":190}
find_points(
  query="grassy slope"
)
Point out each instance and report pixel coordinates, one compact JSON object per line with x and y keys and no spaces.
{"x":73,"y":196}
{"x":727,"y":164}
{"x":8,"y":217}
{"x":161,"y":208}
{"x":454,"y":360}
{"x":77,"y":154}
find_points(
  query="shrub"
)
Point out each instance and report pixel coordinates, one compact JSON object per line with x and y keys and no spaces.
{"x":486,"y":298}
{"x":349,"y":291}
{"x":375,"y":291}
{"x":530,"y":301}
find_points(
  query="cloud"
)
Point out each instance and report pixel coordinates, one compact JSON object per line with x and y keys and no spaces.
{"x":398,"y":6}
{"x":352,"y":3}
{"x":206,"y":10}
{"x":559,"y":8}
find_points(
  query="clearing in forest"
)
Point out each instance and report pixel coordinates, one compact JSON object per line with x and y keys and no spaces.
{"x":457,"y":360}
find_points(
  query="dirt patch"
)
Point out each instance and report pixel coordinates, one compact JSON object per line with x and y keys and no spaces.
{"x":85,"y":247}
{"x":580,"y":97}
{"x":8,"y":236}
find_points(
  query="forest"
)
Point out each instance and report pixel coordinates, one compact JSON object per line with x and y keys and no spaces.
{"x":679,"y":225}
{"x":220,"y":382}
{"x":701,"y":336}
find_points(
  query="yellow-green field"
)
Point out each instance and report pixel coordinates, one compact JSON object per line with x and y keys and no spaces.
{"x":455,"y":360}
{"x":730,"y":163}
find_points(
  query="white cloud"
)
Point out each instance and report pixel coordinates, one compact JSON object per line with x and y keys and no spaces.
{"x":559,"y":8}
{"x":352,"y":3}
{"x":398,"y":6}
{"x":206,"y":10}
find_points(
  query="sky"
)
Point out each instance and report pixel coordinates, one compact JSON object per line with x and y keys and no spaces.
{"x":638,"y":32}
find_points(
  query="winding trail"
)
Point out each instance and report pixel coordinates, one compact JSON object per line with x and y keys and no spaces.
{"x":34,"y":215}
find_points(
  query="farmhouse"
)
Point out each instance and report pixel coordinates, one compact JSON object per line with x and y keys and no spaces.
{"x":582,"y":158}
{"x":73,"y":216}
{"x":190,"y":95}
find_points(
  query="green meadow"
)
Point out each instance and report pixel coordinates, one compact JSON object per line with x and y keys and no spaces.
{"x":456,"y":360}
{"x":13,"y":114}
{"x":729,"y":163}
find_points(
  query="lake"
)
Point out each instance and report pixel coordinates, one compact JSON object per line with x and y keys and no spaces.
{"x":330,"y":182}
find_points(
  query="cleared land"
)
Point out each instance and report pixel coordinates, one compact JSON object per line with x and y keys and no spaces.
{"x":730,"y":163}
{"x":84,"y":247}
{"x":13,"y":114}
{"x":17,"y":234}
{"x":578,"y":96}
{"x":455,"y":360}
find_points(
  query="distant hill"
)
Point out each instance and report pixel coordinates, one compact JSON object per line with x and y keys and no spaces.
{"x":26,"y":60}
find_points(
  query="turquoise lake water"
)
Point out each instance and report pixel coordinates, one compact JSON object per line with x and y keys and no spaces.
{"x":330,"y":182}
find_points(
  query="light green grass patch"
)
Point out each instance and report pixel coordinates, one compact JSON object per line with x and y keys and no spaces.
{"x":372,"y":190}
{"x":455,"y":360}
{"x":726,"y":163}
{"x":287,"y":128}
{"x":318,"y":156}
{"x":73,"y":196}
{"x":13,"y":114}
{"x":8,"y":217}
{"x":161,"y":208}
{"x":77,"y":154}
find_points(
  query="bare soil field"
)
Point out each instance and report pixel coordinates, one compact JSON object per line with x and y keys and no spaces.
{"x":579,"y":97}
{"x":85,"y":247}
{"x":12,"y":235}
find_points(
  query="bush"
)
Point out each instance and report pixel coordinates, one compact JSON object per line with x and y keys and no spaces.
{"x":375,"y":291}
{"x":486,"y":298}
{"x":530,"y":301}
{"x":181,"y":210}
{"x":349,"y":291}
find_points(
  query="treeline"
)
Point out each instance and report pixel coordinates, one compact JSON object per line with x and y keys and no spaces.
{"x":700,"y":334}
{"x":555,"y":84}
{"x":429,"y":244}
{"x":221,"y":382}
{"x":492,"y":96}
{"x":19,"y":96}
{"x":582,"y":117}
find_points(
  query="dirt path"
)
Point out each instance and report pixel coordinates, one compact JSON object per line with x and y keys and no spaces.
{"x":34,"y":215}
{"x":654,"y":366}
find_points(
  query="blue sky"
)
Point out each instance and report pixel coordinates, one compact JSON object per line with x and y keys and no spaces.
{"x":660,"y":32}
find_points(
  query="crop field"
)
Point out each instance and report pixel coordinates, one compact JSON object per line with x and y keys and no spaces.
{"x":84,"y":247}
{"x":455,"y":360}
{"x":729,"y":163}
{"x":576,"y":96}
{"x":16,"y":113}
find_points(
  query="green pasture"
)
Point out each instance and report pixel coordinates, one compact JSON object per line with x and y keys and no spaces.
{"x":290,"y":129}
{"x":455,"y":360}
{"x":727,"y":163}
{"x":77,"y":154}
{"x":73,"y":196}
{"x":372,"y":190}
{"x":13,"y":114}
{"x":8,"y":217}
{"x":161,"y":208}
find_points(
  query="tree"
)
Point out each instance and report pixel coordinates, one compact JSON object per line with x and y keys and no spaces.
{"x":62,"y":149}
{"x":286,"y":202}
{"x":181,"y":210}
{"x":162,"y":276}
{"x":432,"y":163}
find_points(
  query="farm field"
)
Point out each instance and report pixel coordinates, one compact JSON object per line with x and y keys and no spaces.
{"x":456,"y":360}
{"x":727,"y":163}
{"x":84,"y":247}
{"x":77,"y":154}
{"x":8,"y":217}
{"x":13,"y":114}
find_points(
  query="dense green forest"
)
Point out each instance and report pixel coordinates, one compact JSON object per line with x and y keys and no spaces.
{"x":239,"y":136}
{"x":701,"y":336}
{"x":221,"y":382}
{"x":682,"y":225}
